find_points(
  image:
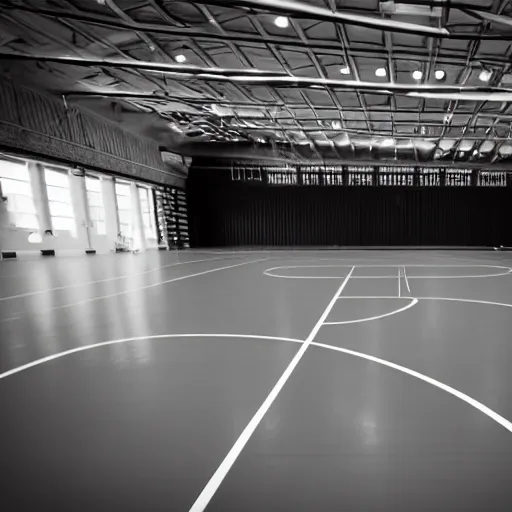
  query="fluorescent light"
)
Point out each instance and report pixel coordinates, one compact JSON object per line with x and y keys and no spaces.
{"x":439,"y":74}
{"x":485,"y":75}
{"x":281,"y":22}
{"x":336,"y":125}
{"x":387,"y":143}
{"x":417,"y":75}
{"x":181,"y":58}
{"x":380,"y":72}
{"x":345,"y":70}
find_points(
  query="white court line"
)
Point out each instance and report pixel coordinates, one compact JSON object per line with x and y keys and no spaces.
{"x":124,"y":292}
{"x":399,"y":290}
{"x":47,"y":359}
{"x":373,"y":297}
{"x":407,"y":282}
{"x":269,"y":272}
{"x":125,"y":276}
{"x":462,"y":396}
{"x":378,"y":317}
{"x":475,"y":301}
{"x":390,"y":265}
{"x":213,"y":484}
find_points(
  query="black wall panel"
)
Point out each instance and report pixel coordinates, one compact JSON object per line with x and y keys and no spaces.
{"x":244,"y":214}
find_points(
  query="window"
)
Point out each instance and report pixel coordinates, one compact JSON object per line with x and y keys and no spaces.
{"x":59,"y":200}
{"x":124,"y":208}
{"x":148,"y":211}
{"x":282,"y":175}
{"x":360,"y":176}
{"x":430,"y":177}
{"x":95,"y":203}
{"x":492,"y":179}
{"x":458,"y":177}
{"x":15,"y":181}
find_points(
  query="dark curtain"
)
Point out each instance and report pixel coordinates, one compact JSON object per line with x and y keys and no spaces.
{"x":234,"y":214}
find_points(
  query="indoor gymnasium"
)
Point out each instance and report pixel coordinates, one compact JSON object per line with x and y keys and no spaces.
{"x":256,"y":255}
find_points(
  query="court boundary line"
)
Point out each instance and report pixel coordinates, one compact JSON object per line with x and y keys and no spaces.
{"x":225,"y":466}
{"x":106,"y":280}
{"x":125,"y":292}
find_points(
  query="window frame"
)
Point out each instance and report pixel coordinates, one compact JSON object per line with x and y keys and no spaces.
{"x":70,"y":217}
{"x":18,"y":215}
{"x":120,"y":211}
{"x":150,"y":232}
{"x":99,"y":222}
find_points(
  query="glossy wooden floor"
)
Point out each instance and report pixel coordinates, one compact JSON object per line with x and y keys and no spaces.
{"x":396,"y":404}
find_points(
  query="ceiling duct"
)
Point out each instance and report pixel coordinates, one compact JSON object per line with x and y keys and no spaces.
{"x":391,"y":8}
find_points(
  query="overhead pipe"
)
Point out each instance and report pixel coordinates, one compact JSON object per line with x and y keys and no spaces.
{"x":465,"y":94}
{"x":198,"y":102}
{"x":488,"y":16}
{"x":288,"y":7}
{"x":303,"y":10}
{"x":184,"y":69}
{"x":159,"y":28}
{"x":275,"y":79}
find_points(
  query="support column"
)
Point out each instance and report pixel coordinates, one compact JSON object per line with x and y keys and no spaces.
{"x":80,"y":205}
{"x":108,"y":192}
{"x":139,"y":234}
{"x":40,"y":195}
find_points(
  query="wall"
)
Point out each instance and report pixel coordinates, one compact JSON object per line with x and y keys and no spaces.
{"x":243,"y":214}
{"x":39,"y":125}
{"x":86,"y":236}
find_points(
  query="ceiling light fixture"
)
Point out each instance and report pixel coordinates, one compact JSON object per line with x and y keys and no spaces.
{"x":439,"y":74}
{"x":35,"y":238}
{"x":336,"y":125}
{"x":485,"y":75}
{"x":345,"y":70}
{"x":380,"y":72}
{"x":417,"y":75}
{"x":281,"y":22}
{"x":181,"y":58}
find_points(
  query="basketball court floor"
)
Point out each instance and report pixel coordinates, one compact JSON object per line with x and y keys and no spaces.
{"x":241,"y":381}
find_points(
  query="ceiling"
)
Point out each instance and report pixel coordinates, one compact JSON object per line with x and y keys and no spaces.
{"x":274,"y":79}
